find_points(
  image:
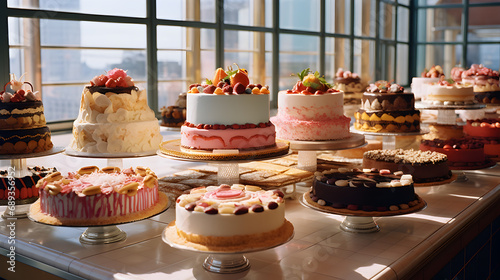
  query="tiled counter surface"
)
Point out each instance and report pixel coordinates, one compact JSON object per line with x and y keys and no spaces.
{"x":319,"y":249}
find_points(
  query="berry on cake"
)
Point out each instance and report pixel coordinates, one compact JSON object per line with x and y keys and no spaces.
{"x":23,"y":128}
{"x":485,"y":82}
{"x":312,"y":110}
{"x":418,"y":84}
{"x":228,"y":112}
{"x":114,"y":117}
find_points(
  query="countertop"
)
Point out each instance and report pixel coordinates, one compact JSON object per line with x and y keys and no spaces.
{"x":319,"y":249}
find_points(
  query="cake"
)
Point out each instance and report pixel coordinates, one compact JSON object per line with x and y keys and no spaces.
{"x":23,"y":129}
{"x":115,"y":118}
{"x":94,"y":196}
{"x":486,"y":131}
{"x":228,"y":112}
{"x":424,"y":167}
{"x":446,"y":93}
{"x":175,"y":115}
{"x":227,"y":218}
{"x":351,"y":84}
{"x":418,"y":84}
{"x":443,"y":131}
{"x":312,"y":111}
{"x":386,"y":107}
{"x":485,"y":82}
{"x":22,"y":188}
{"x":376,"y":190}
{"x":461,"y":153}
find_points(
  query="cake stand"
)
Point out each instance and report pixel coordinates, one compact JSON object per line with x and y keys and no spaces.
{"x":18,"y":164}
{"x":105,"y":233}
{"x":361,"y":221}
{"x":446,"y":113}
{"x":226,"y":160}
{"x":223,"y":262}
{"x":307,"y":158}
{"x":389,"y":138}
{"x":113,"y":159}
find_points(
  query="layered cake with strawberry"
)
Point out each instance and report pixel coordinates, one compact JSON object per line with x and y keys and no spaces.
{"x":386,"y":107}
{"x":356,"y":190}
{"x":350,"y":83}
{"x":228,"y":112}
{"x":424,"y":166}
{"x":486,"y":131}
{"x":485,"y":82}
{"x":448,"y":92}
{"x":312,"y":110}
{"x":428,"y":76}
{"x":115,"y":118}
{"x":461,"y":153}
{"x":93,"y":196}
{"x":229,"y":218}
{"x":23,"y":128}
{"x":22,"y":188}
{"x":174,"y":115}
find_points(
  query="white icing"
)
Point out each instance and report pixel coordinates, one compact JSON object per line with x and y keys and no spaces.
{"x":436,"y":92}
{"x":311,"y":107}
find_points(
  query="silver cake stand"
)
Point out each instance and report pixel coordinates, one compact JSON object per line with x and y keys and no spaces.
{"x":389,"y":138}
{"x":113,"y":159}
{"x":359,"y":221}
{"x":223,"y":262}
{"x":19,"y":167}
{"x":104,"y":234}
{"x":446,"y":113}
{"x":307,"y":158}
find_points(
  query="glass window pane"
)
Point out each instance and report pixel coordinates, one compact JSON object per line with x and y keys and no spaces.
{"x":297,"y":52}
{"x":439,"y":24}
{"x":448,"y":56}
{"x":337,"y":56}
{"x":130,"y":8}
{"x":404,"y":2}
{"x":300,"y":15}
{"x":92,"y":34}
{"x":16,"y":34}
{"x":168,"y":92}
{"x":437,"y":2}
{"x":192,"y":10}
{"x":364,"y":17}
{"x":248,"y":12}
{"x":387,"y":55}
{"x":364,"y":59}
{"x":403,"y":24}
{"x":338,"y":14}
{"x":387,"y":24}
{"x":486,"y":54}
{"x":402,"y":65}
{"x":484,"y":24}
{"x":16,"y":63}
{"x":61,"y":102}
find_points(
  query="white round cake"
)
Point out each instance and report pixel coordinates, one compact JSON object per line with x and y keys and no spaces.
{"x":449,"y":94}
{"x":231,"y":216}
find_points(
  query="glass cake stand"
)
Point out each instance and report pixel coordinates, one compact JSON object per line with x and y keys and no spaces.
{"x":20,"y":168}
{"x":361,"y":221}
{"x":446,"y":113}
{"x":223,"y":262}
{"x":389,"y":138}
{"x":227,"y":161}
{"x":113,"y":159}
{"x":307,"y":158}
{"x":104,"y":234}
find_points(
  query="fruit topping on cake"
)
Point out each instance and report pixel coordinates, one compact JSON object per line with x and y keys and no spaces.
{"x":232,"y":81}
{"x":385,"y":87}
{"x":311,"y":84}
{"x":436,"y":71}
{"x":457,"y":144}
{"x":21,"y":92}
{"x":115,"y":80}
{"x":346,"y":74}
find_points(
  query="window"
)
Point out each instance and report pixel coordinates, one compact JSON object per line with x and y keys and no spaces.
{"x":167,"y":45}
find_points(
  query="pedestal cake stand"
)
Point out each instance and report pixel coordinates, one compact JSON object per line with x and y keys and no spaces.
{"x":105,"y":234}
{"x":360,"y":221}
{"x":18,"y":164}
{"x":389,"y":138}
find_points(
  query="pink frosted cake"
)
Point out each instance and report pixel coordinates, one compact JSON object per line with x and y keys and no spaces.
{"x":485,"y":82}
{"x":311,"y":111}
{"x":228,"y":113}
{"x":96,"y":197}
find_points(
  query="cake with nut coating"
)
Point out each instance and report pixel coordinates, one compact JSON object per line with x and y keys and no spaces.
{"x":228,"y":218}
{"x":94,"y":196}
{"x":424,"y":166}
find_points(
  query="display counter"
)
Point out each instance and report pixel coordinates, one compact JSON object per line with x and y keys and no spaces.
{"x":408,"y":246}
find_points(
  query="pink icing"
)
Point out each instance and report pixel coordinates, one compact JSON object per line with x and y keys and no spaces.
{"x":208,"y":139}
{"x":329,"y":129}
{"x":222,"y":194}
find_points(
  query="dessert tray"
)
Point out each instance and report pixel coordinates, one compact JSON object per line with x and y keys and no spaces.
{"x":71,"y":152}
{"x":220,"y":261}
{"x":359,"y":221}
{"x":53,"y":151}
{"x":98,"y":233}
{"x":389,"y":138}
{"x":173,"y":148}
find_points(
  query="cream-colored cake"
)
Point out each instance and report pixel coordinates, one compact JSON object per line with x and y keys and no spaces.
{"x":115,"y":119}
{"x":445,"y":93}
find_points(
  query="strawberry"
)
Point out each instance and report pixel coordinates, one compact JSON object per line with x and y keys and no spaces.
{"x":17,"y":97}
{"x":129,"y":82}
{"x":116,"y":72}
{"x":111,"y":83}
{"x":120,"y":82}
{"x":99,"y":81}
